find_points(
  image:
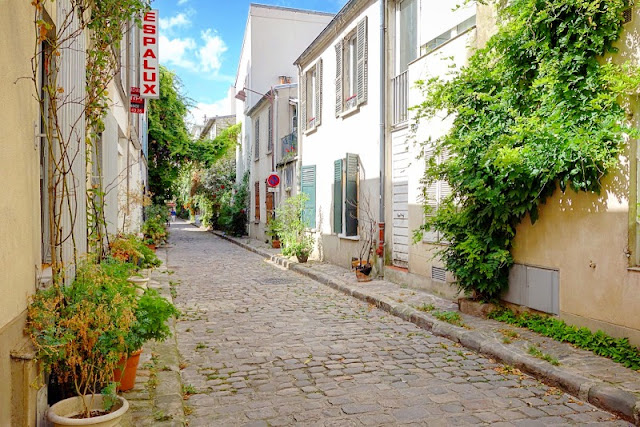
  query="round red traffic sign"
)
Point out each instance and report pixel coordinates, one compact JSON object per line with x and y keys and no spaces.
{"x":273,"y":180}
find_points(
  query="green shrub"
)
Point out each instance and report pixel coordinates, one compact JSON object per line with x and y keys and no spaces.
{"x":617,"y":349}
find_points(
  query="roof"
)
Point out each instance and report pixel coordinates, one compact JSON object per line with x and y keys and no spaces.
{"x":268,"y":96}
{"x":290,"y":9}
{"x":343,"y":17}
{"x":207,"y":126}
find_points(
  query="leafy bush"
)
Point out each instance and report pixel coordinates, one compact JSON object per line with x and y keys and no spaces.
{"x":291,"y":229}
{"x":131,"y":249}
{"x":617,"y":349}
{"x":233,"y":210}
{"x":535,"y":109}
{"x":151,"y":316}
{"x":154,"y":227}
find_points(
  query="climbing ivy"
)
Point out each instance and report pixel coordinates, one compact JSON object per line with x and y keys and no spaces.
{"x":536,"y":108}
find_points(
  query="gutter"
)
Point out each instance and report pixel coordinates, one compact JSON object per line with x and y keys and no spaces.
{"x":381,"y":219}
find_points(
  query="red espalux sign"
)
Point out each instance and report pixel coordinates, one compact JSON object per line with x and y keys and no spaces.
{"x":150,"y":71}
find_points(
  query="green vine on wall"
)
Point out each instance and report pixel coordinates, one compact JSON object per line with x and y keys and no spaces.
{"x":538,"y":107}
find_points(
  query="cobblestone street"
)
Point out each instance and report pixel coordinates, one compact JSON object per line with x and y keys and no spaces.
{"x":265,"y":346}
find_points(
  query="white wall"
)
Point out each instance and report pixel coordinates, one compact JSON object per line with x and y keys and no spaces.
{"x":436,"y":17}
{"x":356,"y":133}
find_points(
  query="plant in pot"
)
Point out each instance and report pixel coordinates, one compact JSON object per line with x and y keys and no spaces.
{"x":367,"y":234}
{"x":79,"y":333}
{"x":152,"y":315}
{"x":273,"y":227}
{"x":294,"y":236}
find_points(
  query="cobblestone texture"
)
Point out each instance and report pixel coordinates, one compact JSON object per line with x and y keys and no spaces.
{"x":266,"y":346}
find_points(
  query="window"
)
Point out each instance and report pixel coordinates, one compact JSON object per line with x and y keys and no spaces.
{"x":345,"y":195}
{"x":351,"y":69}
{"x":448,"y":35}
{"x":311,"y":97}
{"x":308,"y":187}
{"x":270,"y":131}
{"x":434,"y":194}
{"x":256,"y":205}
{"x":256,"y":138}
{"x":406,"y":34}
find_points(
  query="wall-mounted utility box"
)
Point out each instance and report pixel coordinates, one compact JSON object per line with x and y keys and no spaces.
{"x":534,"y":287}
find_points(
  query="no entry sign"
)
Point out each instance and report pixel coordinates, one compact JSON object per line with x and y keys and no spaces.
{"x":273,"y":180}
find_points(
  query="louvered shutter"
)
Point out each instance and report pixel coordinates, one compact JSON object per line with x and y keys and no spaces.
{"x":444,"y":190}
{"x":339,"y":54}
{"x":432,"y":199}
{"x":257,"y":139}
{"x":308,"y":185}
{"x":318,"y":92}
{"x":351,"y":203}
{"x":361,"y":55}
{"x":302,"y":113}
{"x":270,"y":131}
{"x":257,"y":201}
{"x":337,"y":196}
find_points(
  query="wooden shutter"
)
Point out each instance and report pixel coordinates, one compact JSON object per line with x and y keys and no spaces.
{"x":318,"y":92}
{"x":431,"y":193}
{"x":351,"y":202}
{"x":270,"y":131}
{"x":362,"y":47}
{"x":339,"y":53}
{"x":257,"y":139}
{"x":302,"y":111}
{"x":308,"y":184}
{"x":268,"y":201}
{"x":337,"y":196}
{"x":257,"y":201}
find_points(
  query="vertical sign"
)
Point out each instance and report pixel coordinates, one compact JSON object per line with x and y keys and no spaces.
{"x":136,"y":102}
{"x":150,"y":71}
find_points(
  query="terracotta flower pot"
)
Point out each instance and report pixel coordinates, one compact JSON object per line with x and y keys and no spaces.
{"x":363,"y":273}
{"x":63,"y":412}
{"x":128,"y":380}
{"x":275,"y":244}
{"x":302,"y":258}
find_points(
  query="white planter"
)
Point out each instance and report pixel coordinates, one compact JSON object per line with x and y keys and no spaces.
{"x":141,"y":283}
{"x":62,"y":413}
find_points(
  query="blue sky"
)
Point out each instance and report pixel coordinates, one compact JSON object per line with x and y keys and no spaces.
{"x":200,"y":40}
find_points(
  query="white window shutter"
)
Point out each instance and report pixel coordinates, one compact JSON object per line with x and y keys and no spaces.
{"x":432,"y":196}
{"x":362,"y":47}
{"x":318,"y":92}
{"x":339,"y":53}
{"x":302,"y":121}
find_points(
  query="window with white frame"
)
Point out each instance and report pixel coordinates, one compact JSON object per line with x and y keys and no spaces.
{"x":406,"y":34}
{"x":351,"y":69}
{"x":434,"y":194}
{"x":345,"y":195}
{"x":311,"y":97}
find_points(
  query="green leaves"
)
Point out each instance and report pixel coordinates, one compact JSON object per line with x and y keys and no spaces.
{"x":533,"y":109}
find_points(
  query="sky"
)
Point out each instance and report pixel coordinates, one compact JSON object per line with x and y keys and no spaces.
{"x":200,"y":40}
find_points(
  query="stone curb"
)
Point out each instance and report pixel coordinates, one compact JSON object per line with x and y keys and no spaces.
{"x":168,"y":393}
{"x":600,"y":394}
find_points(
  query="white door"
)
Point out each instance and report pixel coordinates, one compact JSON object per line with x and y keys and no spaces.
{"x":400,"y":158}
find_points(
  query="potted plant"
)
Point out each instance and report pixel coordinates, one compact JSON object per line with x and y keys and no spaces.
{"x":152,"y":314}
{"x":296,"y":239}
{"x":367,"y":234}
{"x":273,"y":225}
{"x":79,"y":332}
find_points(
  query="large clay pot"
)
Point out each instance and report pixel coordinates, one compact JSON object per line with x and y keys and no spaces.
{"x":128,"y":380}
{"x":62,"y":413}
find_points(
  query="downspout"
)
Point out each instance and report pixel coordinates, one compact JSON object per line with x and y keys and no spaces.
{"x":299,"y":136}
{"x":381,"y":137}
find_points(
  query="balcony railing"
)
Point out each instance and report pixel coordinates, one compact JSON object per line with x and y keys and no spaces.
{"x":400,"y":96}
{"x":289,"y":147}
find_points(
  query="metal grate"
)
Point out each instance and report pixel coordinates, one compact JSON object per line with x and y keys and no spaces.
{"x":274,"y":281}
{"x":627,"y":15}
{"x":438,"y":274}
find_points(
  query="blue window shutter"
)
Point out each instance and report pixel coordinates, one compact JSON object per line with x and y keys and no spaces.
{"x":351,"y":202}
{"x":337,"y":196}
{"x":308,"y":184}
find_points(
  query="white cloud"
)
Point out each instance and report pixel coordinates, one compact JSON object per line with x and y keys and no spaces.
{"x":181,"y":2}
{"x":177,"y":51}
{"x":179,"y":20}
{"x":210,"y":54}
{"x":218,"y":108}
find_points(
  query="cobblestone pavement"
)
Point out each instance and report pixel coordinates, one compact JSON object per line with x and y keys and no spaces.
{"x":266,"y":346}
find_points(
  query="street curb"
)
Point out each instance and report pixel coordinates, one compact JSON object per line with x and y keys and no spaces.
{"x":604,"y":396}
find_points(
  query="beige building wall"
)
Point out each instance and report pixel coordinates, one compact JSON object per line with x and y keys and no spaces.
{"x":20,"y":262}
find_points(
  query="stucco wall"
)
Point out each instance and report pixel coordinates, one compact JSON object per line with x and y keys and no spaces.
{"x":19,"y":194}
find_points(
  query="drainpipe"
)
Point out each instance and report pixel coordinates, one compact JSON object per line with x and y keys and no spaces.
{"x":383,"y":75}
{"x":299,"y":136}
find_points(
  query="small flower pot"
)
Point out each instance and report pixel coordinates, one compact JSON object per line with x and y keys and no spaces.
{"x":64,"y":412}
{"x":130,"y":364}
{"x":275,"y":244}
{"x":302,"y":258}
{"x":363,"y":273}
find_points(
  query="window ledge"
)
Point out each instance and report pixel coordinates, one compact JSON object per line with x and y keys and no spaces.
{"x":349,"y":112}
{"x":311,"y":130}
{"x":635,"y":269}
{"x":345,"y":237}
